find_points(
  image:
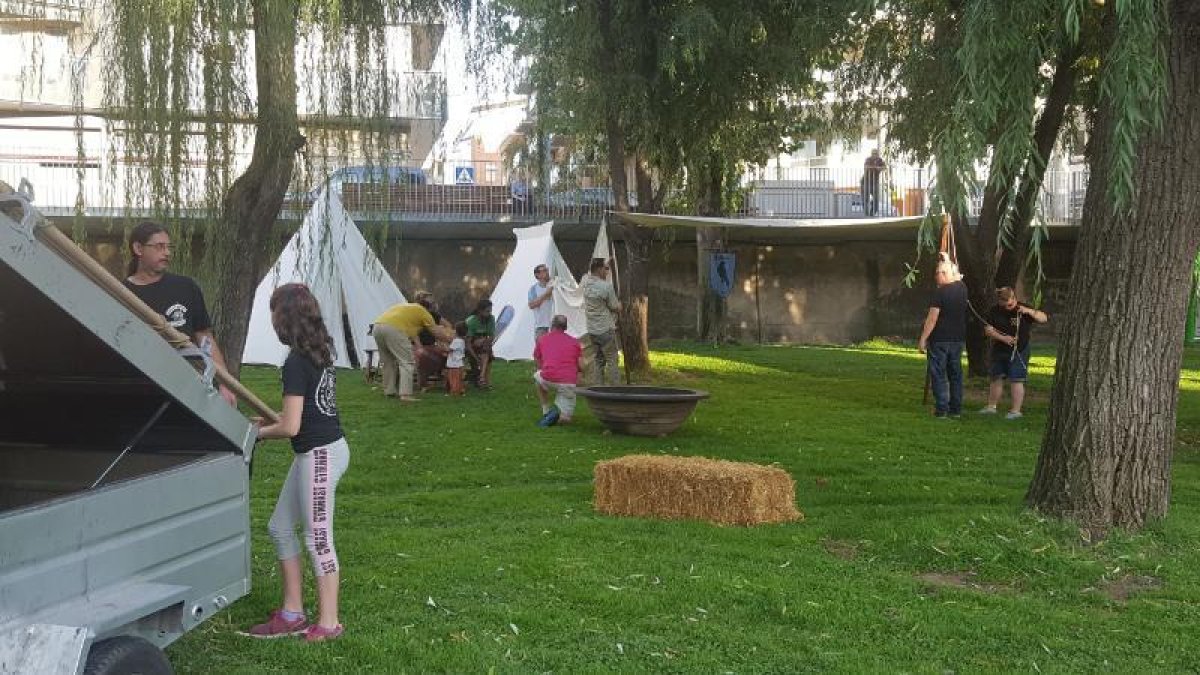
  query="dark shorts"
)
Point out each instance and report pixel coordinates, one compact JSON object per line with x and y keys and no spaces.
{"x":1005,"y":366}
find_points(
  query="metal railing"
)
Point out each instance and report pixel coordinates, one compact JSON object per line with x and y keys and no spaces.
{"x":490,"y":190}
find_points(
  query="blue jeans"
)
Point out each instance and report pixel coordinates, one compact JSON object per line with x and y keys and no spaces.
{"x":946,"y":376}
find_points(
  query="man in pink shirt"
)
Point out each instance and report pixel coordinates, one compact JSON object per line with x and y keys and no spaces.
{"x":557,"y":358}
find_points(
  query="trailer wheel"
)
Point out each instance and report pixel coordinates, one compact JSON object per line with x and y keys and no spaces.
{"x":125,"y":656}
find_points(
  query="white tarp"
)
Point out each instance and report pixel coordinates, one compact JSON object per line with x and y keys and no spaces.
{"x":535,"y":246}
{"x":330,"y":255}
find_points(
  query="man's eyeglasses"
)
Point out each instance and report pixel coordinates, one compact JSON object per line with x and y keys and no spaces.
{"x":160,"y":246}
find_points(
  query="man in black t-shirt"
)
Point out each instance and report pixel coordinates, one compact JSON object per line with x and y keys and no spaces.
{"x":178,"y":298}
{"x":1008,"y":326}
{"x":942,"y":339}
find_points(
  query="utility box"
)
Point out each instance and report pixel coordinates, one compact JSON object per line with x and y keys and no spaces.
{"x":124,"y":514}
{"x":792,"y":198}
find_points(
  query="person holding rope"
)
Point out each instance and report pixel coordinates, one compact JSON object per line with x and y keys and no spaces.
{"x":1008,"y":325}
{"x":942,"y":338}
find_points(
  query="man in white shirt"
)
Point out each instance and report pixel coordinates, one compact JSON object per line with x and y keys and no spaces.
{"x":541,"y":301}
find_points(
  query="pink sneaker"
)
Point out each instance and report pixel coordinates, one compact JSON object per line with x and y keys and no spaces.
{"x":277,"y":627}
{"x":319,"y":633}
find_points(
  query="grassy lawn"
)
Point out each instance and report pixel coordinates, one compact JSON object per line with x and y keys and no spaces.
{"x":469,"y":543}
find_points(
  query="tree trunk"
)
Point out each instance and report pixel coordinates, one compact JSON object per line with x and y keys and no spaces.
{"x":1106,"y":457}
{"x":635,"y":345}
{"x":612,"y":120}
{"x":710,"y":308}
{"x":239,"y":252}
{"x":635,"y":295}
{"x":1045,"y":134}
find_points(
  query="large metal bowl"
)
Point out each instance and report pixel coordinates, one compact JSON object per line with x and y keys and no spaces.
{"x":642,"y":410}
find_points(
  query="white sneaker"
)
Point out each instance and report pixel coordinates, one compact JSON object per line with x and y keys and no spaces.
{"x":1013,"y":415}
{"x":987,"y":410}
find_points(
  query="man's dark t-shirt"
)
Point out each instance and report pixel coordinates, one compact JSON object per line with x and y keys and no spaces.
{"x":1007,"y":322}
{"x":179,"y":299}
{"x":951,"y":301}
{"x":319,"y":423}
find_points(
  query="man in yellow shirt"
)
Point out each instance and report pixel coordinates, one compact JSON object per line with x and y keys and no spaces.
{"x":395,"y":332}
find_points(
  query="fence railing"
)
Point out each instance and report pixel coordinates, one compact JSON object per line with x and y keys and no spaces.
{"x":491,"y":190}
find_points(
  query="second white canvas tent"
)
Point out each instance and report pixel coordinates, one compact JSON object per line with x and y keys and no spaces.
{"x":535,"y":246}
{"x":331,"y":256}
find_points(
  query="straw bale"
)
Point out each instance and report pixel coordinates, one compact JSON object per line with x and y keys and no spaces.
{"x":722,"y":492}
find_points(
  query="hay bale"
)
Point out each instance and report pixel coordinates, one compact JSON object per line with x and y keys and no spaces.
{"x":727,"y":493}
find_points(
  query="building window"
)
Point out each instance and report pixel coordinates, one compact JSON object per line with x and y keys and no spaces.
{"x":492,"y":173}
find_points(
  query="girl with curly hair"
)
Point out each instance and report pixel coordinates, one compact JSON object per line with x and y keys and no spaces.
{"x":310,"y":420}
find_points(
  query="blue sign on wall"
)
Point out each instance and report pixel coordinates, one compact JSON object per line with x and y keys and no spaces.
{"x":721,"y":273}
{"x":464,"y":175}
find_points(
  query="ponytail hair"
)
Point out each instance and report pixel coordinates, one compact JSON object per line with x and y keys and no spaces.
{"x":296,"y":317}
{"x":140,"y":235}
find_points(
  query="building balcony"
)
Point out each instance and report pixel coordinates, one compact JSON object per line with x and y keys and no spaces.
{"x":31,"y":16}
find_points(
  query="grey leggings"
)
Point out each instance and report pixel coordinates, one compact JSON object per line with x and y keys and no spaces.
{"x":306,"y":500}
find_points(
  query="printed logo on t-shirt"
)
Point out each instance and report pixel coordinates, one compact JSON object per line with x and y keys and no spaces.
{"x":176,"y":315}
{"x":326,"y":396}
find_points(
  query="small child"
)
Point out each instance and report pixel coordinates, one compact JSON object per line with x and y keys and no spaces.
{"x":454,"y":361}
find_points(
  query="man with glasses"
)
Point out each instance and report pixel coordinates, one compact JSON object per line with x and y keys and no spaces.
{"x":600,"y":307}
{"x":541,"y":301}
{"x":176,"y":297}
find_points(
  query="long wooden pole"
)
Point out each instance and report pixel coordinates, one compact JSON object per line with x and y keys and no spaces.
{"x":52,"y":237}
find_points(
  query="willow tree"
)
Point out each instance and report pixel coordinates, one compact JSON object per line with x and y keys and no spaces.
{"x":179,"y":93}
{"x":1105,"y":460}
{"x":958,"y":103}
{"x":685,"y":92}
{"x":1106,"y":455}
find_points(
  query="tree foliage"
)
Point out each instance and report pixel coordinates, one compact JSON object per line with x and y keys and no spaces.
{"x":188,"y":84}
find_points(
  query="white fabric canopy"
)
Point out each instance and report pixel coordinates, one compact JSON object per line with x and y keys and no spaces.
{"x":330,"y":255}
{"x":535,"y":246}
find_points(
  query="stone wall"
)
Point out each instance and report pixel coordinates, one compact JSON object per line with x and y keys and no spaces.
{"x":805,"y":292}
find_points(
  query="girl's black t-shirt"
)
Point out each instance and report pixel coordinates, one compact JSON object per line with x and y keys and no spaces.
{"x":319,"y":423}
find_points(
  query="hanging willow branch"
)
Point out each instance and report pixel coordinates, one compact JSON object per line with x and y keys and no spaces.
{"x":215,"y":109}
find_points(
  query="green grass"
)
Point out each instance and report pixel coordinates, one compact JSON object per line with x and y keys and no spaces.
{"x":469,"y":543}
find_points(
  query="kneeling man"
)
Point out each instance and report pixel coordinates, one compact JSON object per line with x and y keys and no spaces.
{"x":557,"y":357}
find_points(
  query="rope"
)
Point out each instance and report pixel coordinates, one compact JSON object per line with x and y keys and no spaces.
{"x":950,"y":249}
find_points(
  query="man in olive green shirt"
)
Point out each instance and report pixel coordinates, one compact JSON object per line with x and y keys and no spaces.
{"x":600,"y":307}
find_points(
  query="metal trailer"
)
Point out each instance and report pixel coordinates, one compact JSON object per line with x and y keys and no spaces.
{"x":124,"y":514}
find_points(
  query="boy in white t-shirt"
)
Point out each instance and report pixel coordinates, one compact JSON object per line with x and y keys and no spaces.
{"x":454,"y":361}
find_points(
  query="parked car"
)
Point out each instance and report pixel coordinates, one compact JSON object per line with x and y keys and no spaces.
{"x":395,"y":175}
{"x":602,"y":197}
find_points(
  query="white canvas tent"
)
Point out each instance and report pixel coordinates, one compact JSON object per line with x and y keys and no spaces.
{"x":535,"y":246}
{"x":330,"y":255}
